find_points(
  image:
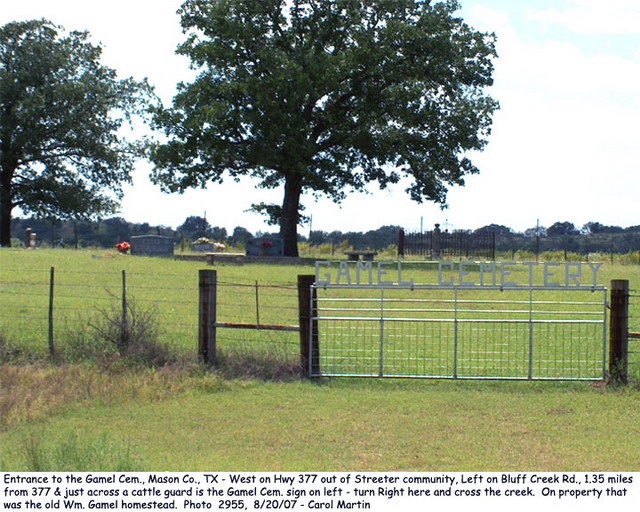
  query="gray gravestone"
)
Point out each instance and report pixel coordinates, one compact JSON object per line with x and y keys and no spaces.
{"x":151,"y":245}
{"x":435,"y":243}
{"x":202,"y":247}
{"x":265,"y":246}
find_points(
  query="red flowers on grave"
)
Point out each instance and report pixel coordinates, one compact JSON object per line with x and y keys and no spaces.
{"x":123,"y":247}
{"x":266,"y":244}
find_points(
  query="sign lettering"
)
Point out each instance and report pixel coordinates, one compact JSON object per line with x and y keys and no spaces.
{"x":461,"y":274}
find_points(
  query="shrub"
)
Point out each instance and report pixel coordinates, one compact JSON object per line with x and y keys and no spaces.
{"x":113,"y":338}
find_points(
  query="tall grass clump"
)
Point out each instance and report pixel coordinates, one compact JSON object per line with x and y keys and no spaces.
{"x":31,"y":392}
{"x":248,"y":363}
{"x":112,"y":335}
{"x":74,"y":454}
{"x":8,"y":351}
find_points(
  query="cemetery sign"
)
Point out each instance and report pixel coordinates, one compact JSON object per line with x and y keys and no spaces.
{"x":461,"y":274}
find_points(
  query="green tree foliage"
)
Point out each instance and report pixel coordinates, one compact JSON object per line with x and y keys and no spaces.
{"x":562,"y":228}
{"x":195,"y":227}
{"x":240,"y":236}
{"x":596,"y":227}
{"x":498,"y":229}
{"x":325,"y":97}
{"x":61,"y":153}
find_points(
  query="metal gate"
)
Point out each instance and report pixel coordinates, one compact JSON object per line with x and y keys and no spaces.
{"x":487,"y":332}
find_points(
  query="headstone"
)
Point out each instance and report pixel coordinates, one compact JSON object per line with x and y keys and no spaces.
{"x":31,"y":239}
{"x":151,"y":245}
{"x":206,"y":247}
{"x":265,"y":246}
{"x":435,"y":243}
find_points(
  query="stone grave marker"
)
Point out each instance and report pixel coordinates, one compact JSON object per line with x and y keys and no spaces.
{"x":31,"y":239}
{"x":151,"y":245}
{"x":202,"y":247}
{"x":265,"y":246}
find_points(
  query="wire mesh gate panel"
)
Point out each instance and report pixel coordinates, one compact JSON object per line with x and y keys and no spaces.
{"x":461,"y":332}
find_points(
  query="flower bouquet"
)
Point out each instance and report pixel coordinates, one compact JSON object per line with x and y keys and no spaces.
{"x":202,"y":244}
{"x":123,"y":247}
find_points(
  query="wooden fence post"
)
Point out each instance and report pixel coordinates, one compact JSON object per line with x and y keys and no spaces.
{"x":51,"y":282}
{"x":207,"y":316}
{"x":124,"y":327}
{"x":618,"y":332}
{"x":309,"y":338}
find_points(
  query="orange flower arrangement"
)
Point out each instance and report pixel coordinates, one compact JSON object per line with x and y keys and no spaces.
{"x":123,"y":247}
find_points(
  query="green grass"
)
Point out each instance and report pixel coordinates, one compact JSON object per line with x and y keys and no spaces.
{"x":75,"y":454}
{"x":346,"y":425}
{"x":87,"y":281}
{"x":112,"y":415}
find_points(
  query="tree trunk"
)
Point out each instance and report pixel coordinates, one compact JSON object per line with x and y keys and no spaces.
{"x":290,"y":212}
{"x":5,"y":216}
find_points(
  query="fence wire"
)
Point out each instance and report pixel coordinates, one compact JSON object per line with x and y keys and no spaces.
{"x":459,"y":333}
{"x":82,"y":298}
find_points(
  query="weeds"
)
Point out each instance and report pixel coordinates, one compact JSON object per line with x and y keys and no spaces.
{"x":73,"y":454}
{"x":130,"y":339}
{"x":32,"y":392}
{"x":10,"y":353}
{"x":250,"y":364}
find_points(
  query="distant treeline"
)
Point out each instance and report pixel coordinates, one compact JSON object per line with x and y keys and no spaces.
{"x":108,"y":232}
{"x":561,"y":236}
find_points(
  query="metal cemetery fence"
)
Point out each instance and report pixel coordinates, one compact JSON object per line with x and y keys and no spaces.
{"x":461,"y":332}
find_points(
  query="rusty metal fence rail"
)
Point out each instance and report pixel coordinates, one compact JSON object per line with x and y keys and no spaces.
{"x":461,"y":332}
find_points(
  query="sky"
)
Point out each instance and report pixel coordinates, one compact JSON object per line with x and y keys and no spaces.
{"x":565,"y":144}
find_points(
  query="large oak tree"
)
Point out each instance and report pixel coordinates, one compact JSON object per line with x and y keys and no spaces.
{"x":61,"y":152}
{"x":327,"y":96}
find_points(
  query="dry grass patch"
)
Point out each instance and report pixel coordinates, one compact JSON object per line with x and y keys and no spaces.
{"x":32,"y":392}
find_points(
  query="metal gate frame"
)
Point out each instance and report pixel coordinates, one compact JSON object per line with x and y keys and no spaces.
{"x":524,"y":313}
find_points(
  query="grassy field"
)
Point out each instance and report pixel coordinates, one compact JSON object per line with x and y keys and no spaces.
{"x":108,"y":414}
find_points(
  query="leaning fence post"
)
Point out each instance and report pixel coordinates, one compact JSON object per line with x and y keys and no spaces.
{"x":207,"y":316}
{"x":618,"y":331}
{"x":309,"y":339}
{"x":51,"y":282}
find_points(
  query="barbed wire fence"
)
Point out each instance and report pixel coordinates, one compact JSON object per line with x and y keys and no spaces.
{"x":41,"y":309}
{"x":257,"y":303}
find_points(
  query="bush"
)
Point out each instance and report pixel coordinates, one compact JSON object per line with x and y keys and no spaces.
{"x":113,"y":338}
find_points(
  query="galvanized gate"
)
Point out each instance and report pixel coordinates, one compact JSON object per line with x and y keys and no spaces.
{"x":487,"y":332}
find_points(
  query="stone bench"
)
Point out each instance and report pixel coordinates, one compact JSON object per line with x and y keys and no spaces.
{"x":366,"y":255}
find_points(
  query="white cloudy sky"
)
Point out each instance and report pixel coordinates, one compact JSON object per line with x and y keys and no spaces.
{"x":565,"y":145}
